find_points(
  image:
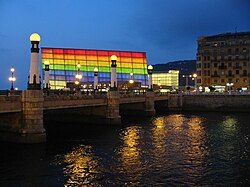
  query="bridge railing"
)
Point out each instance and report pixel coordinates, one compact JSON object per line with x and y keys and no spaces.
{"x":10,"y":92}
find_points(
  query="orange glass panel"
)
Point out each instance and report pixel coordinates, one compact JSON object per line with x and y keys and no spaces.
{"x":58,"y":56}
{"x":80,"y":57}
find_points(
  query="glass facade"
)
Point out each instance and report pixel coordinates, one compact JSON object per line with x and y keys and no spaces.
{"x":170,"y":79}
{"x":63,"y":66}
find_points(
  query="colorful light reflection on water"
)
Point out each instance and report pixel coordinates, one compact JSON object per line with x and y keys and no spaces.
{"x":173,"y":150}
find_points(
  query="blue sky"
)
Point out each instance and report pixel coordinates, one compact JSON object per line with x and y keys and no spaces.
{"x":166,"y":29}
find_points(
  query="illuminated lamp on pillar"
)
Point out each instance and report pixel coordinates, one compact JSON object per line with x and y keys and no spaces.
{"x":46,"y":76}
{"x":34,"y":76}
{"x":113,"y":84}
{"x":95,"y":79}
{"x":150,"y":72}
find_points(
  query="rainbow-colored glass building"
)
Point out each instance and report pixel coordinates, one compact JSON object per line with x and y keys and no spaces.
{"x":63,"y":66}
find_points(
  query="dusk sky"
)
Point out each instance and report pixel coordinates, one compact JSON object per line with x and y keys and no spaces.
{"x":167,"y":30}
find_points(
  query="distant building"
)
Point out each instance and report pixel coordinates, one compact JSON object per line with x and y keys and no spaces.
{"x":223,"y":61}
{"x":166,"y":81}
{"x":63,"y":65}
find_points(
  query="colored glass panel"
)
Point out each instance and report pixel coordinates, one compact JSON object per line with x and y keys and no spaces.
{"x":63,"y":65}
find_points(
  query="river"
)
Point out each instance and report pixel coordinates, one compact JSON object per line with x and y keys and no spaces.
{"x":174,"y":149}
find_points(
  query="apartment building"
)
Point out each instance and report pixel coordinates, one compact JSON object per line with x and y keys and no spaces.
{"x":223,"y":62}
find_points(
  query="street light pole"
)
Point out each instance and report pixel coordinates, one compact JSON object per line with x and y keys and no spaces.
{"x":195,"y":81}
{"x":12,"y":79}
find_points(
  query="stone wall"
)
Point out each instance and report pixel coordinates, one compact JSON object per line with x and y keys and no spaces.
{"x":216,"y":102}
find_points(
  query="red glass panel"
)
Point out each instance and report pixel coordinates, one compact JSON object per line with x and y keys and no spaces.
{"x":125,"y":54}
{"x":137,"y":54}
{"x":91,"y":52}
{"x":57,"y":51}
{"x":69,"y":51}
{"x":114,"y":53}
{"x":79,"y":52}
{"x":103,"y":53}
{"x":46,"y":50}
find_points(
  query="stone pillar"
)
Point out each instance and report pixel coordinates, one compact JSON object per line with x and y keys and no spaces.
{"x":95,"y":79}
{"x":113,"y":83}
{"x":32,"y":130}
{"x":46,"y":85}
{"x":150,"y":103}
{"x":112,"y":111}
{"x":175,"y":102}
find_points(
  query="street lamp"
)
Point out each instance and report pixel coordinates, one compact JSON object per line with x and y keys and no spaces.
{"x":78,"y":76}
{"x":195,"y":81}
{"x":12,"y":79}
{"x":230,"y":85}
{"x":187,"y":76}
{"x":150,"y":72}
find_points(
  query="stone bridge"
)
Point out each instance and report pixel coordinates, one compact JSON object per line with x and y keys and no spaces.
{"x":21,"y":116}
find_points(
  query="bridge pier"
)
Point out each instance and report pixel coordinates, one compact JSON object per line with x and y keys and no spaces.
{"x":150,"y":103}
{"x":31,"y":129}
{"x":112,"y":109}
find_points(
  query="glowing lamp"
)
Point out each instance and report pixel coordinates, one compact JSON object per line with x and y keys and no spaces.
{"x":96,"y":70}
{"x":12,"y":70}
{"x":113,"y":58}
{"x":46,"y":62}
{"x":195,"y":75}
{"x":35,"y":37}
{"x":78,"y":76}
{"x":76,"y":82}
{"x":150,"y":67}
{"x":131,"y":81}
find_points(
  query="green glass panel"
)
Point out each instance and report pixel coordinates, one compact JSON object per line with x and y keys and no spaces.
{"x":103,"y":69}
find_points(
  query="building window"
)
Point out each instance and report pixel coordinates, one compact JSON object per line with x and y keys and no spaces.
{"x":208,"y":65}
{"x":205,"y":65}
{"x":215,"y":65}
{"x":230,"y":72}
{"x":229,"y":51}
{"x":215,"y":73}
{"x":205,"y":58}
{"x":229,"y":64}
{"x":222,"y":80}
{"x":237,"y":72}
{"x":208,"y":72}
{"x":229,"y":57}
{"x":237,"y":64}
{"x":208,"y":58}
{"x":237,"y":51}
{"x":245,"y":72}
{"x":244,"y":63}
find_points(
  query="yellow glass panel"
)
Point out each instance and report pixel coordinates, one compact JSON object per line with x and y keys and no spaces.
{"x":58,"y":56}
{"x":104,"y":58}
{"x":91,"y":57}
{"x":48,"y":60}
{"x":70,"y":62}
{"x":58,"y":61}
{"x":136,"y":65}
{"x":126,"y":65}
{"x":105,"y":64}
{"x":80,"y":57}
{"x":91,"y":63}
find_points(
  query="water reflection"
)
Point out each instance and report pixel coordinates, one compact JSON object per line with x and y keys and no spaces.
{"x":130,"y":154}
{"x":179,"y":139}
{"x":82,"y":167}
